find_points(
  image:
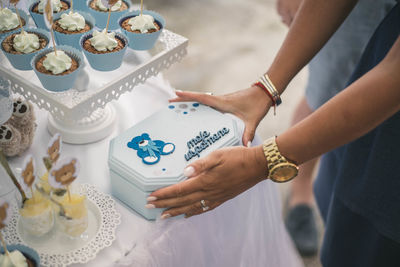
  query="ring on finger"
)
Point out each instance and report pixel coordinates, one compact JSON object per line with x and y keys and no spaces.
{"x":203,"y":205}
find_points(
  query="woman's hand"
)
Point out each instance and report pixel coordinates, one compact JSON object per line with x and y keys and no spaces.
{"x":250,"y":105}
{"x":220,"y":176}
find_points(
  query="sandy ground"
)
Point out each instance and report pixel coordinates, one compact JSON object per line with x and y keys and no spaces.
{"x":231,"y":43}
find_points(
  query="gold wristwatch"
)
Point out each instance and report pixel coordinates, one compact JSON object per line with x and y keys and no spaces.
{"x":280,"y":169}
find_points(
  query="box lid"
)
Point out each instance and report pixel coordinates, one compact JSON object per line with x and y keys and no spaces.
{"x":153,"y":153}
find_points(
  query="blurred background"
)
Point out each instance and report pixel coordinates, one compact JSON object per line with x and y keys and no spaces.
{"x":231,"y":43}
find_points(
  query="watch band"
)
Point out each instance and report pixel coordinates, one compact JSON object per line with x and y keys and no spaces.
{"x":272,"y":154}
{"x":279,"y":168}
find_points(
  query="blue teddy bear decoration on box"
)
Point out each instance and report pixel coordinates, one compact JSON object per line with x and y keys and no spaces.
{"x":148,"y":150}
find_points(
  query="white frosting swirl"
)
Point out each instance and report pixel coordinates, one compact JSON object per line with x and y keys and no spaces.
{"x":57,"y":64}
{"x":26,"y":42}
{"x":72,"y":21}
{"x":55,"y":3}
{"x":115,"y":7}
{"x":143,"y":23}
{"x":16,"y":259}
{"x":102,"y":41}
{"x":8,"y":19}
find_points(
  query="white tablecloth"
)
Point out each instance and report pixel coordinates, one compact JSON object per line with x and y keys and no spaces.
{"x":246,"y":231}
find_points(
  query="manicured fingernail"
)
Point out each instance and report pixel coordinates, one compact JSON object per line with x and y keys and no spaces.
{"x":188,"y":171}
{"x":150,"y":206}
{"x":177,"y":90}
{"x":165,"y":216}
{"x":249,"y":144}
{"x":151,"y":198}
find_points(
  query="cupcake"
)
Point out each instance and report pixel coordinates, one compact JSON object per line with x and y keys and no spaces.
{"x":100,"y":13}
{"x":69,"y":27}
{"x":57,"y":72}
{"x":20,"y":256}
{"x":36,"y":10}
{"x":104,"y":51}
{"x":20,"y":48}
{"x":142,"y":30}
{"x":9,"y":20}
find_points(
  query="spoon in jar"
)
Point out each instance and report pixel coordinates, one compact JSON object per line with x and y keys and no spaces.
{"x":62,"y":210}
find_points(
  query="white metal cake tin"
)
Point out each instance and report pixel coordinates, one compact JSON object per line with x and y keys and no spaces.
{"x":153,"y":153}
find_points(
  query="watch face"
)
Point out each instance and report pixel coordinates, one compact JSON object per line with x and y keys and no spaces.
{"x":284,"y":172}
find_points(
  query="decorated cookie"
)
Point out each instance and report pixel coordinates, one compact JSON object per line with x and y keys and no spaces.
{"x":54,"y":148}
{"x":17,"y":134}
{"x":64,"y":172}
{"x":10,"y":140}
{"x":150,"y":151}
{"x":24,"y":120}
{"x":5,"y":212}
{"x":28,"y":171}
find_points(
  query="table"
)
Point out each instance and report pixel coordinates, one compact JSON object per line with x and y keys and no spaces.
{"x":245,"y":231}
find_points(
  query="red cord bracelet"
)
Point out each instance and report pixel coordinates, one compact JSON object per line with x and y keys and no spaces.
{"x":260,"y":85}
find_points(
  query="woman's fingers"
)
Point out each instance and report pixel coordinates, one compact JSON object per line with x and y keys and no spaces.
{"x":179,"y":201}
{"x":248,"y":134}
{"x":220,"y":176}
{"x":177,"y":190}
{"x":206,"y":99}
{"x":190,"y":96}
{"x":202,"y":165}
{"x":190,"y":185}
{"x":210,"y":206}
{"x":191,"y":210}
{"x":196,"y":207}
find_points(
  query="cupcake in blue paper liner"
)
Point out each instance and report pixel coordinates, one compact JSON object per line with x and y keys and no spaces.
{"x":58,"y":72}
{"x":21,"y":255}
{"x":104,"y":51}
{"x":20,"y":48}
{"x":142,"y":30}
{"x":100,"y":13}
{"x":9,"y":22}
{"x":70,"y":26}
{"x":36,"y":11}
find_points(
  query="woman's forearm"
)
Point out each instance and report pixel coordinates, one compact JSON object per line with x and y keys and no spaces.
{"x":314,"y":24}
{"x":355,"y":111}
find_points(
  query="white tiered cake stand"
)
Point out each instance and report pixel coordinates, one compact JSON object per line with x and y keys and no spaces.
{"x":83,"y":114}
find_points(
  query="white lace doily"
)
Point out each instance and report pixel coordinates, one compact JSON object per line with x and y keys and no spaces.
{"x":108,"y":220}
